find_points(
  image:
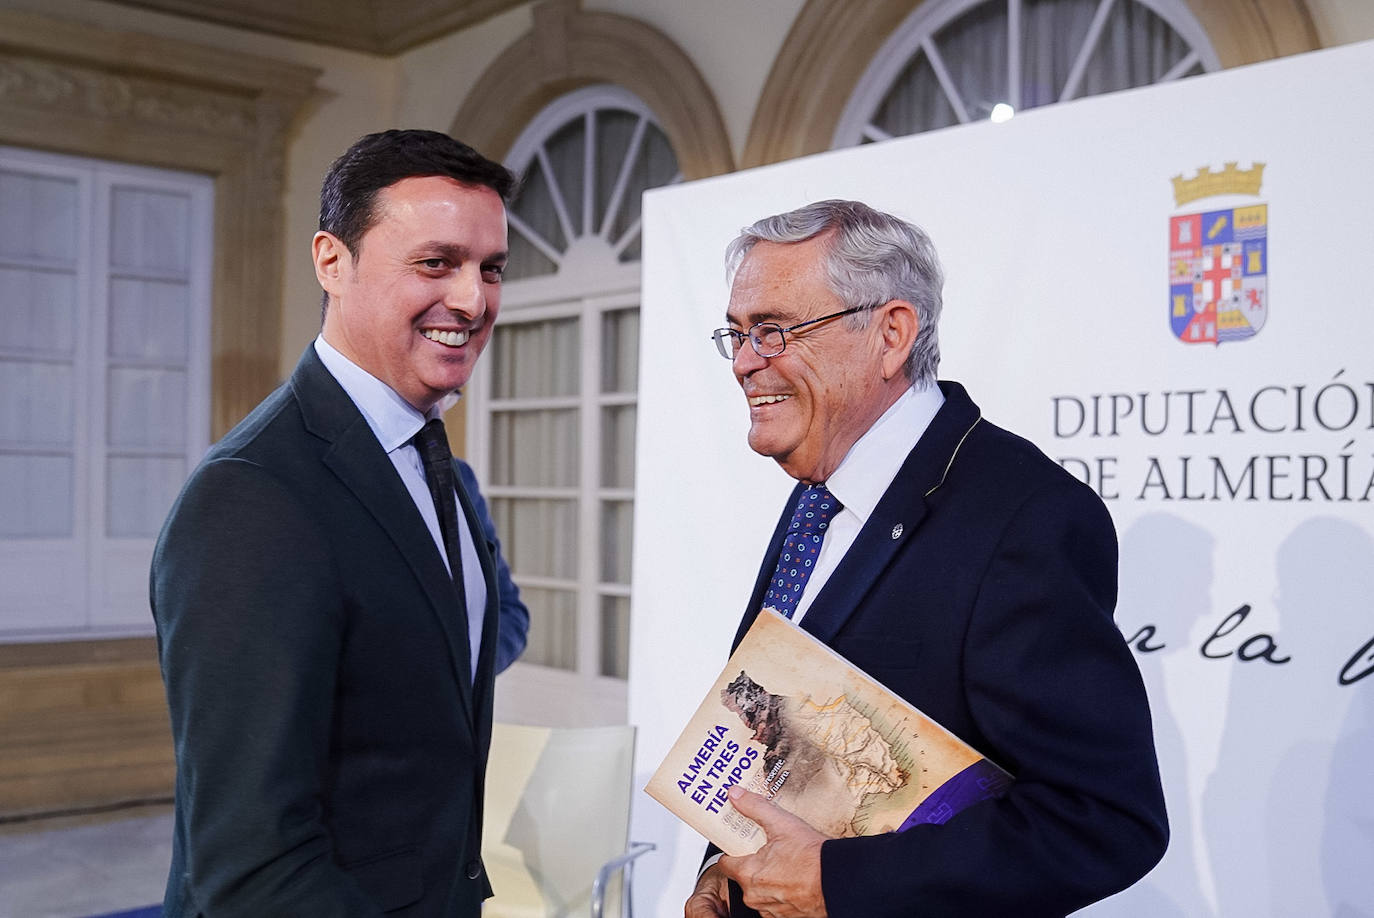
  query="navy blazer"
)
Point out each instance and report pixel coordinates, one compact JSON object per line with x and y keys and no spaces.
{"x":330,"y":738}
{"x":982,"y":590}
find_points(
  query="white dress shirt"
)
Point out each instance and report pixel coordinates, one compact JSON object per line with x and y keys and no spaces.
{"x":864,"y":475}
{"x":394,"y":422}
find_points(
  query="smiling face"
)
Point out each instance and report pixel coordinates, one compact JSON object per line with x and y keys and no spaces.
{"x":416,"y":305}
{"x":812,"y":402}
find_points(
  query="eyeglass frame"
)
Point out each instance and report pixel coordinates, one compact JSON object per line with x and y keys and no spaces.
{"x":720,"y":335}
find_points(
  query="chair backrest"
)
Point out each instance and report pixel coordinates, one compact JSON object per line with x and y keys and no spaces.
{"x":557,"y":808}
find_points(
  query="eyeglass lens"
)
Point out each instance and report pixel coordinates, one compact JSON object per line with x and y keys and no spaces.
{"x":766,"y":337}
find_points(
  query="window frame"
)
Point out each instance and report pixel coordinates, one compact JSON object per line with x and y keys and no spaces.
{"x":588,"y":283}
{"x":922,"y":24}
{"x":110,"y":600}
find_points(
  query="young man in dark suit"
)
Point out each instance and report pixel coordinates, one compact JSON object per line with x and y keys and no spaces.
{"x":325,"y":598}
{"x":961,"y":568}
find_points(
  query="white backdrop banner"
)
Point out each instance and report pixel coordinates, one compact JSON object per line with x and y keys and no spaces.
{"x":1168,"y":290}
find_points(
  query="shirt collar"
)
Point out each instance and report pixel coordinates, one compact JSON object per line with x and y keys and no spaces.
{"x":393,"y":420}
{"x":873,"y":461}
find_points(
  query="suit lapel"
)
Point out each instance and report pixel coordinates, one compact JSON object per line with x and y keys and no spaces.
{"x":357,"y":459}
{"x":900,"y":511}
{"x":486,"y":655}
{"x":889,"y":528}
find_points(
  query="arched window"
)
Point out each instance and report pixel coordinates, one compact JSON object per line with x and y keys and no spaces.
{"x":552,"y":417}
{"x":584,"y":162}
{"x":956,"y":61}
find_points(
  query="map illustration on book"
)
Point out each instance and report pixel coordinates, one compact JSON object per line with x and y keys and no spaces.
{"x":794,"y":721}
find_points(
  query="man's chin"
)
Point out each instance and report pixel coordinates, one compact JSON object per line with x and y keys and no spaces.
{"x":441,"y":391}
{"x":769,"y":447}
{"x":450,"y":377}
{"x":760,"y":442}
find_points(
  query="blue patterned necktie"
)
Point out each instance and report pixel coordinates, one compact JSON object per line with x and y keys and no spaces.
{"x":801,"y":548}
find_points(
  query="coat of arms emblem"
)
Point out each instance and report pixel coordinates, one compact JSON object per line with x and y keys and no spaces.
{"x":1219,"y":259}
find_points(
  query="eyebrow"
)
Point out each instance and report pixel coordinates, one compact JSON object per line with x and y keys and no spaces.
{"x":458,"y":252}
{"x":767,"y":315}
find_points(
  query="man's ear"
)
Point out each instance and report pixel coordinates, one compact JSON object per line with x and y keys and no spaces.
{"x":329,"y":255}
{"x":898,"y":325}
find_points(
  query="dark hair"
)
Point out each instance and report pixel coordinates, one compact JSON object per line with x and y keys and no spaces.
{"x":348,"y":196}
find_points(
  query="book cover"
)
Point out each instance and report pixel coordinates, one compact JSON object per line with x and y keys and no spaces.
{"x":791,"y":719}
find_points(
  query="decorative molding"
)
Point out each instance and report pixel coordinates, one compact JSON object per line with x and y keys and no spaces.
{"x":832,"y":41}
{"x":568,"y":48}
{"x":44,"y":85}
{"x":372,"y":26}
{"x":821,"y":61}
{"x":1247,"y":31}
{"x":153,"y":101}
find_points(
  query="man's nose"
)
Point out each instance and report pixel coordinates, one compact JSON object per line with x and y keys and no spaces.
{"x":466,"y":293}
{"x":747,"y":360}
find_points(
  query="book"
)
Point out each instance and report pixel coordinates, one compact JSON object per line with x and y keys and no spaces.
{"x":791,"y":719}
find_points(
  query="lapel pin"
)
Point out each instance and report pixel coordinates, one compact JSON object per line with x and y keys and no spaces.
{"x":897,"y":531}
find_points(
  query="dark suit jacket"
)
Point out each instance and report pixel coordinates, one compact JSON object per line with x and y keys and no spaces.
{"x":330,"y":739}
{"x":982,"y":590}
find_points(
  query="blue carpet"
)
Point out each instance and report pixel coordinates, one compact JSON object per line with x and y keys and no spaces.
{"x":151,"y":911}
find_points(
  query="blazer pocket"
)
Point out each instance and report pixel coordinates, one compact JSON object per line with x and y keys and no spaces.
{"x":393,"y":879}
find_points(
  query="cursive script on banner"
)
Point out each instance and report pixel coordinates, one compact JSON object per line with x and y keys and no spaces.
{"x":1258,"y":646}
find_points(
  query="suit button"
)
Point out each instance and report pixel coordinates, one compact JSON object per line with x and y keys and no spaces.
{"x":474,"y":869}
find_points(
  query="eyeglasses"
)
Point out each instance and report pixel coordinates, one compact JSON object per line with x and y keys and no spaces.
{"x":768,"y":338}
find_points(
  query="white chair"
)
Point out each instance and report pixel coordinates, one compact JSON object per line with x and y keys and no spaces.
{"x":556,"y":822}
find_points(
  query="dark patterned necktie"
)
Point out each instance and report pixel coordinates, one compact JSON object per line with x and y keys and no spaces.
{"x":432,"y":443}
{"x":801,"y":548}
